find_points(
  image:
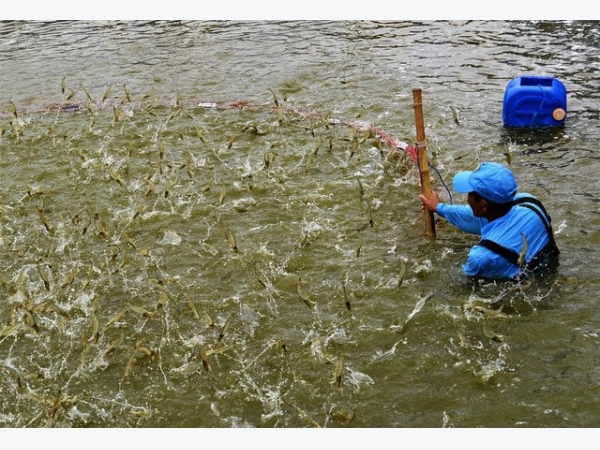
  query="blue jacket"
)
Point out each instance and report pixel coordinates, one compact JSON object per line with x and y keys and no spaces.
{"x":506,"y":231}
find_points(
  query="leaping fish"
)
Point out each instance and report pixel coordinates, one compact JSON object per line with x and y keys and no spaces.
{"x":521,"y":260}
{"x":416,"y":309}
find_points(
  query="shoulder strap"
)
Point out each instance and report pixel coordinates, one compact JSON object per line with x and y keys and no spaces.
{"x":546,"y":224}
{"x":507,"y":254}
{"x":534,"y":201}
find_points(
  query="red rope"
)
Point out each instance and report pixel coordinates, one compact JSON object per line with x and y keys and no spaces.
{"x":411,"y":150}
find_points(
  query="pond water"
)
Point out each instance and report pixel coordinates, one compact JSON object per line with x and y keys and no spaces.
{"x":215,"y":224}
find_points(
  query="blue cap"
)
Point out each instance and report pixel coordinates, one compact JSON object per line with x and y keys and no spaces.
{"x":492,"y":181}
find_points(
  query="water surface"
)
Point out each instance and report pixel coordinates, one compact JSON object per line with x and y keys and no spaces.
{"x":202,"y":225}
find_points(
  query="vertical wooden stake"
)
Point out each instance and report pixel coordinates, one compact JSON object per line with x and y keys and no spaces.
{"x":422,"y":158}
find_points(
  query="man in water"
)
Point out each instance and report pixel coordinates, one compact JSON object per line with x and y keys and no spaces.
{"x":516,"y":233}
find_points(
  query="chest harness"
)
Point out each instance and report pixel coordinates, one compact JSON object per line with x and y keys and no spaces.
{"x":545,"y":258}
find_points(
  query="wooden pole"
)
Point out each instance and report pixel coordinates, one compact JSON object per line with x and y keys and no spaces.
{"x":422,"y":158}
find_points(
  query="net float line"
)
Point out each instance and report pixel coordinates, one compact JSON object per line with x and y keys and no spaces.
{"x":361,"y":126}
{"x":149,"y":104}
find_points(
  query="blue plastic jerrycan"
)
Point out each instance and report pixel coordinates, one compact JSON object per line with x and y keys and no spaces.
{"x":534,"y":101}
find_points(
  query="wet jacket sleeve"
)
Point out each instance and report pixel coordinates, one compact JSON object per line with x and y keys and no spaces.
{"x":461,"y":216}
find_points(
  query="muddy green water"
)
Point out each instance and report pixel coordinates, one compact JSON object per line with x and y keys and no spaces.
{"x":172,"y":258}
